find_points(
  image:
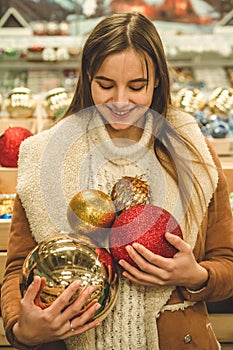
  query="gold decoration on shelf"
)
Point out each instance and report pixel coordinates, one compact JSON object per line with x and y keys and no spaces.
{"x":191,"y":100}
{"x":221,"y":101}
{"x":20,"y":103}
{"x":60,"y":260}
{"x":129,"y":191}
{"x":56,"y":102}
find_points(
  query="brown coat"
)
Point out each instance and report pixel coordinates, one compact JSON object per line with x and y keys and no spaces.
{"x":177,"y":330}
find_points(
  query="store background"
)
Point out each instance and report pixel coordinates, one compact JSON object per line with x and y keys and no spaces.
{"x":40,"y":44}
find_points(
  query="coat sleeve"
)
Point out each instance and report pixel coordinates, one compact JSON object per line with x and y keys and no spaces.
{"x":20,"y":244}
{"x":218,"y":257}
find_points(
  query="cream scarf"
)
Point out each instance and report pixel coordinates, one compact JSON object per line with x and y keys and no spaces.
{"x":65,"y":159}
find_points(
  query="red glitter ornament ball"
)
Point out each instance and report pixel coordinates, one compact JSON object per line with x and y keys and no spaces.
{"x":145,"y":224}
{"x":105,"y":258}
{"x":10,"y":141}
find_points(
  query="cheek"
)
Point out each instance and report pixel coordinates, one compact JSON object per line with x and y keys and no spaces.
{"x":146,"y":98}
{"x":99,"y":96}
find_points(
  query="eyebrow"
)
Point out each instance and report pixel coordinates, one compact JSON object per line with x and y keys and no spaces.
{"x":131,"y":81}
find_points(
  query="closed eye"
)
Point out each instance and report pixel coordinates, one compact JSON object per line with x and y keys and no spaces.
{"x":105,"y":87}
{"x":137,"y":88}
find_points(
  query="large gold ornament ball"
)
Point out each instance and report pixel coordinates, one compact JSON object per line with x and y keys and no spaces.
{"x":56,"y":102}
{"x":60,"y":260}
{"x":89,"y":210}
{"x":20,"y":103}
{"x":191,"y":100}
{"x":221,"y":101}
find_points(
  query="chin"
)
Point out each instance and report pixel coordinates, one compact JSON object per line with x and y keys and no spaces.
{"x":120,"y":126}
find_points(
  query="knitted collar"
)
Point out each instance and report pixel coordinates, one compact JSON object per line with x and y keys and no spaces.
{"x":130,"y":151}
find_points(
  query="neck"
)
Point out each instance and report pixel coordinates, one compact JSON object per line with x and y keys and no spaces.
{"x":133,"y":133}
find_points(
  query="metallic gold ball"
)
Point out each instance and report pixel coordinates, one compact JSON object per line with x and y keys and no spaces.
{"x":56,"y":102}
{"x":191,"y":100}
{"x":20,"y":103}
{"x":60,"y":260}
{"x":221,"y":101}
{"x":90,"y":210}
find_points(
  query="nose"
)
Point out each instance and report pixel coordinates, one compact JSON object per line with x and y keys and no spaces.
{"x":120,"y":95}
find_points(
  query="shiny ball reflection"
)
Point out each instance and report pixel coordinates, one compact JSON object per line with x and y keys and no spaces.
{"x":60,"y":260}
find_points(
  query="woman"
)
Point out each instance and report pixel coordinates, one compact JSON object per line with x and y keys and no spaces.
{"x":121,"y":123}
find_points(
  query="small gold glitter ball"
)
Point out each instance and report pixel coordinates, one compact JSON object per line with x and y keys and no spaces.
{"x":90,"y":210}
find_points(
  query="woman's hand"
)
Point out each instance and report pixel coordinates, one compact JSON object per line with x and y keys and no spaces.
{"x":181,"y":270}
{"x":36,"y":325}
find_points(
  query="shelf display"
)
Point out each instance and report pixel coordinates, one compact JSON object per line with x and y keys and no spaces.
{"x":181,"y":77}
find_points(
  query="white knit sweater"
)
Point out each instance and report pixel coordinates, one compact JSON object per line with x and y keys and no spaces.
{"x":67,"y":159}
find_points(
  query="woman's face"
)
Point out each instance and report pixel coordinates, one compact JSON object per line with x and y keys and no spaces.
{"x":123,"y":89}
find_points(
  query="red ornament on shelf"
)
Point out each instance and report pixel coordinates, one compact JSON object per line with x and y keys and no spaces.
{"x":10,"y":141}
{"x":145,"y":224}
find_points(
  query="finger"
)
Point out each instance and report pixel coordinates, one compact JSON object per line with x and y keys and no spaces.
{"x":85,"y":308}
{"x":110,"y":274}
{"x":157,"y":260}
{"x":139,"y":259}
{"x":34,"y":289}
{"x":64,"y":299}
{"x":177,"y":242}
{"x":87,"y":316}
{"x":145,"y":259}
{"x":84,"y":298}
{"x":38,"y":301}
{"x":140,"y":277}
{"x":135,"y":272}
{"x":86,"y":294}
{"x":137,"y":281}
{"x":143,"y":251}
{"x":80,"y":329}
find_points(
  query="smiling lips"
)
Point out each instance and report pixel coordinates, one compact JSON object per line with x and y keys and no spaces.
{"x":120,"y":113}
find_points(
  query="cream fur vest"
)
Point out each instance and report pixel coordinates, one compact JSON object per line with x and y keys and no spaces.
{"x":77,"y":153}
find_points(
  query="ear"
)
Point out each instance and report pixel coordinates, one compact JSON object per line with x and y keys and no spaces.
{"x":156,"y":83}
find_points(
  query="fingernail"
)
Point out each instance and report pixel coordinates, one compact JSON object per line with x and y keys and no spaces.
{"x":97,"y":306}
{"x":135,"y":245}
{"x":90,"y":289}
{"x":77,"y":283}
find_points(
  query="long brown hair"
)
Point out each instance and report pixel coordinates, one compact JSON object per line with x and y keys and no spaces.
{"x":115,"y":34}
